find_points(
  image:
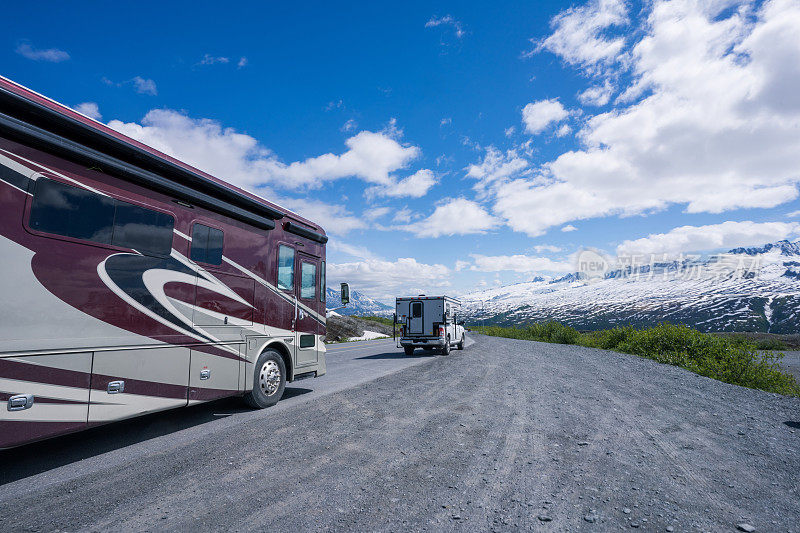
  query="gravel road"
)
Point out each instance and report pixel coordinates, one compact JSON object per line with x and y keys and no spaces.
{"x":504,"y":435}
{"x":791,"y":362}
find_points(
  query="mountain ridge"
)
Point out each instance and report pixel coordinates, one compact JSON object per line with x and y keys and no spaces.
{"x":746,"y":289}
{"x":360,"y":304}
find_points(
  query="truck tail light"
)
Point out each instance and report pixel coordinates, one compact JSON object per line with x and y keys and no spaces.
{"x":441,"y":331}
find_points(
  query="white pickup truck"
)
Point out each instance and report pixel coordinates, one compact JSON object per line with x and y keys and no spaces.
{"x":429,"y":322}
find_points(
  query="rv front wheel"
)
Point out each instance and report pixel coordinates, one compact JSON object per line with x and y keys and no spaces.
{"x":269,"y":380}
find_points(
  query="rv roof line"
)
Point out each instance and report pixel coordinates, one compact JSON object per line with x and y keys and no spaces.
{"x":423,"y":297}
{"x":92,"y":138}
{"x":61,"y":145}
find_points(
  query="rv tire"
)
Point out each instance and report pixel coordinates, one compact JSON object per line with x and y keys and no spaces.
{"x":269,"y":380}
{"x":460,"y":344}
{"x":409,"y":350}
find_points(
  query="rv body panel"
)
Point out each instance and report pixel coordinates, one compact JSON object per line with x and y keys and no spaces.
{"x":97,"y":329}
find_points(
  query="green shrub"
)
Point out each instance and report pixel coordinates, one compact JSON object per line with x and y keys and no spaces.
{"x":610,"y":339}
{"x":771,"y":344}
{"x":732,"y":359}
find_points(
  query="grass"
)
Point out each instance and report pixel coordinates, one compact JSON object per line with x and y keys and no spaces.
{"x":731,"y":359}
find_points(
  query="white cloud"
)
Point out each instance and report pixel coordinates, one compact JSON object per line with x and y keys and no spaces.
{"x":457,"y":216}
{"x":578,"y":34}
{"x":90,"y":109}
{"x":709,"y":121}
{"x":564,"y":130}
{"x":416,"y":185}
{"x":539,"y":248}
{"x":53,"y":55}
{"x":597,"y":95}
{"x":208,"y":59}
{"x":350,"y":125}
{"x":446,"y":121}
{"x":374,"y":213}
{"x":538,"y":115}
{"x":447,"y":20}
{"x":518,"y":263}
{"x":360,"y":252}
{"x":370,"y":156}
{"x":568,"y":228}
{"x":242,"y":62}
{"x":509,"y":131}
{"x":144,"y":86}
{"x":496,"y":168}
{"x":240,"y":159}
{"x":793,"y":214}
{"x":402,"y":216}
{"x":205,"y":144}
{"x":712,"y":237}
{"x":461,"y":265}
{"x":387,"y":279}
{"x":334,"y":218}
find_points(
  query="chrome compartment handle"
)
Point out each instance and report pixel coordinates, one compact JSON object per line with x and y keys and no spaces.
{"x":20,"y":402}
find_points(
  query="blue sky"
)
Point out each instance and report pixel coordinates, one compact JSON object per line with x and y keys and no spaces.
{"x":448,"y":146}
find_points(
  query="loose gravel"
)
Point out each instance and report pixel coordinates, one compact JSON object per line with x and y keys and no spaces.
{"x":506,"y":435}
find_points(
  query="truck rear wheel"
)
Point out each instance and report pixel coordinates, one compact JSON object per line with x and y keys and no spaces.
{"x":446,"y":347}
{"x":409,"y":350}
{"x":460,"y":344}
{"x":269,"y":380}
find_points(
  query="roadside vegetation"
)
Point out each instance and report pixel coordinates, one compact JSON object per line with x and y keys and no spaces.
{"x":733,"y":359}
{"x":342,"y":328}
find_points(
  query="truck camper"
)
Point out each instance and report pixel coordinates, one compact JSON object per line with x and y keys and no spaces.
{"x":133,"y":282}
{"x":429,"y":322}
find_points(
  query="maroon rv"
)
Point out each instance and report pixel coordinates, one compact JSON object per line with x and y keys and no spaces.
{"x":132,"y":282}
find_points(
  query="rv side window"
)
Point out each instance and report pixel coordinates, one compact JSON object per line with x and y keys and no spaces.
{"x":308,"y":280}
{"x":143,"y":230}
{"x":285,"y":268}
{"x":74,"y":212}
{"x":207,"y":244}
{"x":322,"y":287}
{"x":416,"y":310}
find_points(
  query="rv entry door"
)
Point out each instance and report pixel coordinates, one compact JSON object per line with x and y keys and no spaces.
{"x":415,"y":318}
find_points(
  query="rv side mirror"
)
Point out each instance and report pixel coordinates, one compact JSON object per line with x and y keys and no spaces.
{"x":345,"y":294}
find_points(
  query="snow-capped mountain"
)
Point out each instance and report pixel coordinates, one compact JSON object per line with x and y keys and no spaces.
{"x":360,"y":304}
{"x":746,"y":289}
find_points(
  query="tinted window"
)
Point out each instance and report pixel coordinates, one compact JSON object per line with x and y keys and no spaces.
{"x":308,"y":280}
{"x":72,"y":212}
{"x":307,"y":341}
{"x":416,"y":310}
{"x":206,"y":244}
{"x":143,"y":230}
{"x":285,"y":268}
{"x":322,"y":288}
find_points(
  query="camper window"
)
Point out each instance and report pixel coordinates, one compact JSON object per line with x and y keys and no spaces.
{"x":308,"y":280}
{"x":285,"y":268}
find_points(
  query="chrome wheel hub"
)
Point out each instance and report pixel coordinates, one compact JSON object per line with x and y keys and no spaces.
{"x":269,"y":378}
